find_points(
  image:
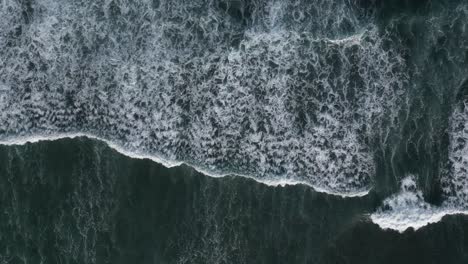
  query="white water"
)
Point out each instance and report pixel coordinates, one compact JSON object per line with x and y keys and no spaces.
{"x":294,"y":102}
{"x":407,"y":209}
{"x":162,"y":161}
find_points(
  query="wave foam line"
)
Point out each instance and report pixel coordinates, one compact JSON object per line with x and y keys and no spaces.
{"x":22,"y":140}
{"x":408,"y":209}
{"x":415,"y":219}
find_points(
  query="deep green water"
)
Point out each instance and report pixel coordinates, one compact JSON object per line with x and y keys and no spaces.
{"x":78,"y":201}
{"x":359,"y":107}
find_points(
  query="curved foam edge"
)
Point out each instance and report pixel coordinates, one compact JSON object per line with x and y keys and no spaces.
{"x":416,"y":218}
{"x":408,"y":209}
{"x":22,"y":140}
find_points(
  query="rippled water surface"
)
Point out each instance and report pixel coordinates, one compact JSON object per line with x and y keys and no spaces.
{"x":241,"y":131}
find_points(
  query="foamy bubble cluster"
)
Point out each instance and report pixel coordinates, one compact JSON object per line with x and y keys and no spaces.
{"x":455,"y":180}
{"x":444,"y":42}
{"x":407,"y":209}
{"x":281,"y":91}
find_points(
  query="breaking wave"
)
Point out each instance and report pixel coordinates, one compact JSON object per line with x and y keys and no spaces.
{"x":164,"y":162}
{"x":234,"y":88}
{"x":323,"y":93}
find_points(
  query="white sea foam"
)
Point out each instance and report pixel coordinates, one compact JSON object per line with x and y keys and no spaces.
{"x":407,"y":209}
{"x":289,"y":100}
{"x":164,"y":162}
{"x":284,"y":92}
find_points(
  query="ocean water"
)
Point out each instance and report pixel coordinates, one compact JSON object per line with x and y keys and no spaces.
{"x":240,"y":131}
{"x":79,"y":201}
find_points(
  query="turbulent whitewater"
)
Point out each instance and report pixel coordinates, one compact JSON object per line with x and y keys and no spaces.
{"x":256,"y":93}
{"x":345,"y":96}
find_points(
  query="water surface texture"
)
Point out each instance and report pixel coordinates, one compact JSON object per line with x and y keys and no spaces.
{"x":323,"y":122}
{"x":79,"y":201}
